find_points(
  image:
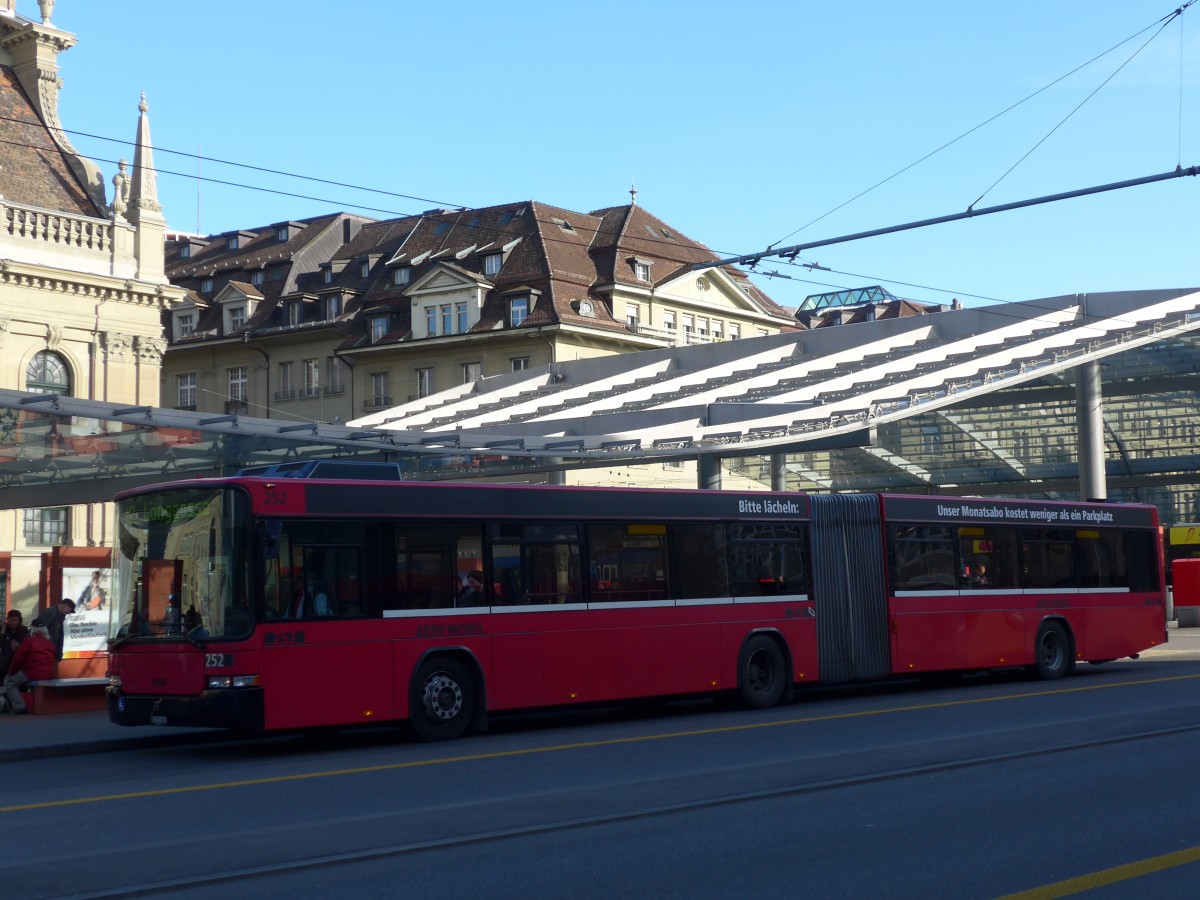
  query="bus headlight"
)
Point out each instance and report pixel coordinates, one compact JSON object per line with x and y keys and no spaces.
{"x":232,"y":681}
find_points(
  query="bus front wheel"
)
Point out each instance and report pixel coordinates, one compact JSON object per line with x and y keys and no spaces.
{"x":1052,"y":652}
{"x":761,"y":673}
{"x":442,"y":701}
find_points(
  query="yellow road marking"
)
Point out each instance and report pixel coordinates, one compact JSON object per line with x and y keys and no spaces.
{"x":1106,"y":877}
{"x":582,"y":745}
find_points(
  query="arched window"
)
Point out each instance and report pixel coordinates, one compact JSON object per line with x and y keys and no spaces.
{"x":47,"y":373}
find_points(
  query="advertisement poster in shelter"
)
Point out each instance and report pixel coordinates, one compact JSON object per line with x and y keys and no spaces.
{"x":85,"y":633}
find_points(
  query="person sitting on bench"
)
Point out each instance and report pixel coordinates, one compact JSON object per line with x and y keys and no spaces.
{"x":35,"y":660}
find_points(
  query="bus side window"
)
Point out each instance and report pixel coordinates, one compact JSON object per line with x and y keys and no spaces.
{"x":768,"y":559}
{"x":536,"y":563}
{"x":700,"y":557}
{"x":627,"y":562}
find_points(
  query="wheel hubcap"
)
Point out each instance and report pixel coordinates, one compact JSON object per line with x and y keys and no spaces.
{"x":758,"y":672}
{"x":442,"y":697}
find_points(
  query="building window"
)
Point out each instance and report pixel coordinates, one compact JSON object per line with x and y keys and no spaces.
{"x":287,"y":387}
{"x":447,"y":319}
{"x":256,"y":278}
{"x":518,"y":311}
{"x":689,"y":328}
{"x":333,"y":306}
{"x":237,"y":317}
{"x":281,"y":233}
{"x":327,"y":275}
{"x":232,"y":242}
{"x":277,"y":272}
{"x":718,"y":330}
{"x":186,"y":390}
{"x":379,"y":389}
{"x":379,"y":327}
{"x":206,"y":286}
{"x":47,"y":373}
{"x":187,"y":324}
{"x":312,"y":378}
{"x":633,"y":315}
{"x":237,"y":384}
{"x":735,"y":331}
{"x":472,"y":371}
{"x":431,"y":320}
{"x":460,"y":318}
{"x":491,"y":263}
{"x":364,"y":268}
{"x":333,"y":369}
{"x":46,"y":527}
{"x":185,"y":251}
{"x":641,"y":270}
{"x":424,"y":382}
{"x":669,"y":321}
{"x":294,"y":312}
{"x":401,"y":274}
{"x":702,"y":327}
{"x":520,"y":363}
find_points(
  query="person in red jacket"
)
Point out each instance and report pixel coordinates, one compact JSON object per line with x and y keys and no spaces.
{"x":35,"y":660}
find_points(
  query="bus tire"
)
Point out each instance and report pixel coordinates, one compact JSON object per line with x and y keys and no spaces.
{"x":762,"y":673}
{"x":442,"y":699}
{"x":1052,"y":652}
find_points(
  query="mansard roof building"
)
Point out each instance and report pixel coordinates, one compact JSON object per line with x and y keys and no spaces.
{"x":328,"y":317}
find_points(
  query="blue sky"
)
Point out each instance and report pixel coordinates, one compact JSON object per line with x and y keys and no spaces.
{"x":740,"y":125}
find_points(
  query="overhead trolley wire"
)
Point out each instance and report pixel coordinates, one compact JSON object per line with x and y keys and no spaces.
{"x":1165,"y":20}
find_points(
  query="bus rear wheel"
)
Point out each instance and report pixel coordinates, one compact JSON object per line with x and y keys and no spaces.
{"x":442,"y":699}
{"x":1052,"y":652}
{"x":761,"y":673}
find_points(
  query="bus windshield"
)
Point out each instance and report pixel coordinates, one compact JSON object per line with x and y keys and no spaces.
{"x":181,"y":566}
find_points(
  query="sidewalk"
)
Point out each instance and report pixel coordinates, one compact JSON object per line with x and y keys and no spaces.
{"x":71,"y":734}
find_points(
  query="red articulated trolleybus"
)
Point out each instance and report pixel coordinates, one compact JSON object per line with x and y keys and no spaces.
{"x":307,"y":597}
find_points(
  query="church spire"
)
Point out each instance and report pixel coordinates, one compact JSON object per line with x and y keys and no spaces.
{"x":144,"y":212}
{"x":143,"y":190}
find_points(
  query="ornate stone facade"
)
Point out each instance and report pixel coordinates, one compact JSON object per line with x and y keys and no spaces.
{"x":82,"y":289}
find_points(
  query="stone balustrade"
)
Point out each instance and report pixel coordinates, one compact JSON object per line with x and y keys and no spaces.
{"x":66,"y":240}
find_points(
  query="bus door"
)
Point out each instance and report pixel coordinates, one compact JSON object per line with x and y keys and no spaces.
{"x":929,"y":625}
{"x":538,"y":593}
{"x":321,"y":664}
{"x":989,"y":576}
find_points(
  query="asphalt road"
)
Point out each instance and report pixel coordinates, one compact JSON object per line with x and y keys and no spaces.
{"x":997,"y":786}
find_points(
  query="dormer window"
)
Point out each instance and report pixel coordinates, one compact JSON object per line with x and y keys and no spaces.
{"x":294,"y":310}
{"x":333,"y":306}
{"x":492,"y":263}
{"x":401,"y":275}
{"x":185,"y":251}
{"x":641,"y":270}
{"x":256,"y":278}
{"x":518,"y":310}
{"x":364,"y":268}
{"x":281,"y":233}
{"x":379,"y":327}
{"x":206,"y":286}
{"x":237,"y":317}
{"x":327,"y":275}
{"x":186,"y":323}
{"x":233,"y":242}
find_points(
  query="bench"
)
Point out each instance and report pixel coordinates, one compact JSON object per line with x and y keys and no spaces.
{"x":65,"y":695}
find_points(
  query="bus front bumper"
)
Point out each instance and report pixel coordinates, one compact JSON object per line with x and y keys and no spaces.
{"x":240,"y":709}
